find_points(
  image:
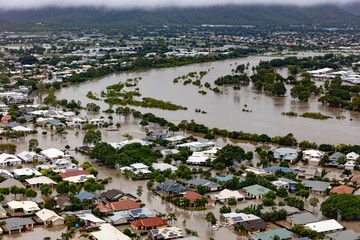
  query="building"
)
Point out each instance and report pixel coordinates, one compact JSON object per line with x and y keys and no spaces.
{"x":348,"y":235}
{"x":285,"y":183}
{"x":234,"y":218}
{"x":29,"y":156}
{"x":193,"y":196}
{"x":285,"y":154}
{"x":148,"y":224}
{"x":9,"y":160}
{"x":3,"y":212}
{"x":336,"y":176}
{"x":89,"y":219}
{"x":25,"y":207}
{"x":17,"y":225}
{"x":316,"y":187}
{"x":165,"y":233}
{"x":227,"y":178}
{"x":5,"y":173}
{"x":307,"y":172}
{"x":171,"y":187}
{"x":49,"y":217}
{"x":252,"y":226}
{"x":137,"y":168}
{"x":334,"y":159}
{"x":124,"y":205}
{"x":123,"y":217}
{"x":85,"y":195}
{"x":36,"y":182}
{"x":108,"y":232}
{"x":8,"y":183}
{"x":325,"y":226}
{"x":282,"y":233}
{"x":53,"y":154}
{"x":115,"y":195}
{"x":313,"y":157}
{"x":256,"y":191}
{"x":26,"y":172}
{"x":197,"y":146}
{"x":350,"y":165}
{"x":352,"y":156}
{"x":175,"y":139}
{"x":227,"y":194}
{"x":274,"y":169}
{"x":342,"y":189}
{"x":161,"y":167}
{"x":209,"y":185}
{"x":302,"y":219}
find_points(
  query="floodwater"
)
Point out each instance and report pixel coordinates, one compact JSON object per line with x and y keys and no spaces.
{"x":225,"y":110}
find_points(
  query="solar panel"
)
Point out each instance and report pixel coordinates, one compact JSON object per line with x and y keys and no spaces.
{"x":237,"y":219}
{"x":165,"y":230}
{"x":135,"y":211}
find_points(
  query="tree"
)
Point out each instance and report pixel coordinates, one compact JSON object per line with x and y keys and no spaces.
{"x":171,"y":217}
{"x":14,"y":190}
{"x":150,"y":185}
{"x":268,"y":202}
{"x":229,"y":154}
{"x":282,"y":192}
{"x":70,"y":221}
{"x":62,"y":188}
{"x":127,"y":232}
{"x":345,"y":205}
{"x":45,"y":190}
{"x":30,"y":193}
{"x":284,"y":164}
{"x":41,"y":89}
{"x":225,"y":209}
{"x":139,"y":191}
{"x":33,"y":145}
{"x":160,"y":178}
{"x":210,"y":218}
{"x":271,"y":195}
{"x":50,"y":203}
{"x":313,"y":202}
{"x":92,"y":137}
{"x":279,"y":89}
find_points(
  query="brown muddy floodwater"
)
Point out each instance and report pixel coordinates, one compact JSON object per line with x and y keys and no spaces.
{"x":225,"y":110}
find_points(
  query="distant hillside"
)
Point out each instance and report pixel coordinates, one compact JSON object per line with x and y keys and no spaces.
{"x":229,"y":14}
{"x":353,"y":8}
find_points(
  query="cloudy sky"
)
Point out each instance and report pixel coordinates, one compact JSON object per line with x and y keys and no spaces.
{"x":24,"y":4}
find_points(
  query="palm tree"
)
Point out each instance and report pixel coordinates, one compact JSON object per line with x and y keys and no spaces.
{"x":171,"y":217}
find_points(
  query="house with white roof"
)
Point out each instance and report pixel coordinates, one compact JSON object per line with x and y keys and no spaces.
{"x":53,"y":154}
{"x":48,"y":217}
{"x":352,"y":156}
{"x":197,"y":146}
{"x":126,"y":142}
{"x":227,"y":194}
{"x":137,"y":168}
{"x":5,"y":173}
{"x":175,"y":139}
{"x":161,"y":167}
{"x":26,"y":172}
{"x":26,"y":207}
{"x":29,"y":156}
{"x":36,"y":182}
{"x":232,"y":218}
{"x":285,"y":154}
{"x":325,"y":226}
{"x":350,"y":165}
{"x":313,"y":157}
{"x":89,"y":219}
{"x":169,"y":152}
{"x":9,"y":160}
{"x":79,"y":178}
{"x":109,"y":232}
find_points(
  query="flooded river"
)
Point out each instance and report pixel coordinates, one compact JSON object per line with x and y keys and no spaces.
{"x":225,"y":110}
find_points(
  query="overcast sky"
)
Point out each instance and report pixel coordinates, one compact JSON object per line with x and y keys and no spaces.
{"x":24,"y":4}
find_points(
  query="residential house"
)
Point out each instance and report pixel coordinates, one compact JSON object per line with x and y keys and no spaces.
{"x":342,"y":189}
{"x":17,"y":225}
{"x":352,"y":156}
{"x":227,"y":194}
{"x":148,"y":224}
{"x":29,"y":156}
{"x":171,"y":187}
{"x":234,"y":218}
{"x":5,"y":173}
{"x":156,"y":135}
{"x":108,"y":232}
{"x":256,"y":191}
{"x":169,"y":152}
{"x":36,"y":182}
{"x":302,"y":219}
{"x":53,"y":154}
{"x":313,"y":157}
{"x":307,"y":172}
{"x":274,"y":169}
{"x":137,"y":168}
{"x":209,"y":185}
{"x":316,"y":187}
{"x":25,"y":207}
{"x":26,"y":172}
{"x":49,"y":217}
{"x":355,"y":179}
{"x":282,"y":233}
{"x":289,"y":210}
{"x":85,"y":195}
{"x":8,"y":183}
{"x":197,"y":146}
{"x":115,"y":195}
{"x":67,"y":173}
{"x":193,"y":196}
{"x":285,"y":183}
{"x":325,"y":226}
{"x":334,"y":159}
{"x":336,"y":176}
{"x":89,"y":219}
{"x":3,"y":212}
{"x":9,"y":160}
{"x":123,"y":217}
{"x":252,"y":226}
{"x":285,"y":154}
{"x":165,"y":233}
{"x":347,"y":234}
{"x":6,"y":118}
{"x":124,"y":205}
{"x":161,"y":167}
{"x":63,"y":163}
{"x":227,"y":178}
{"x":175,"y":139}
{"x":256,"y":171}
{"x":350,"y":165}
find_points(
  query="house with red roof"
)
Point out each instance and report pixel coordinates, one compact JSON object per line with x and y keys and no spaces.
{"x":149,"y":223}
{"x":192,"y":196}
{"x":6,"y":118}
{"x":342,"y":189}
{"x":73,"y":173}
{"x":124,"y":205}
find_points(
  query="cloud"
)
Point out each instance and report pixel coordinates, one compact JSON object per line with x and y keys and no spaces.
{"x":128,"y":4}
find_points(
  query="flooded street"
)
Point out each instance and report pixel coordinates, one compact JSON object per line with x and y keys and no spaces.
{"x":225,"y":110}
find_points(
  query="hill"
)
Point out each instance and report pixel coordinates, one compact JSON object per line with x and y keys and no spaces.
{"x":87,"y":17}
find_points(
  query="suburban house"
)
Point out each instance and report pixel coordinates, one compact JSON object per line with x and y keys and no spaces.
{"x":108,"y":232}
{"x":256,"y":171}
{"x":313,"y":157}
{"x":53,"y":154}
{"x":171,"y":187}
{"x":123,"y":217}
{"x":352,"y":156}
{"x":252,"y":226}
{"x":350,"y":165}
{"x":227,"y":178}
{"x":26,"y":172}
{"x":256,"y":191}
{"x":149,"y":223}
{"x":9,"y":160}
{"x":175,"y":139}
{"x":274,"y":169}
{"x":157,"y":135}
{"x":124,"y":205}
{"x":285,"y":154}
{"x":137,"y":168}
{"x":86,"y":215}
{"x":5,"y":173}
{"x":17,"y":225}
{"x":347,"y":234}
{"x":161,"y":167}
{"x":85,"y":195}
{"x":233,"y":218}
{"x":334,"y":159}
{"x":316,"y":187}
{"x":210,"y":185}
{"x":289,"y":210}
{"x":36,"y":182}
{"x":192,"y":196}
{"x":285,"y":183}
{"x":24,"y":207}
{"x":169,"y":152}
{"x":301,"y":219}
{"x":8,"y":183}
{"x":165,"y":233}
{"x":282,"y":233}
{"x":3,"y":212}
{"x":325,"y":226}
{"x":227,"y":194}
{"x":48,"y":217}
{"x":336,"y":176}
{"x":307,"y":172}
{"x":115,"y":195}
{"x":73,"y":173}
{"x":29,"y":156}
{"x":342,"y":189}
{"x":197,"y":146}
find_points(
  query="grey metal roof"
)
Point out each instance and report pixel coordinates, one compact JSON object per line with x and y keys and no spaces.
{"x":16,"y":223}
{"x":203,"y":182}
{"x":348,"y":235}
{"x":316,"y":185}
{"x":173,"y":187}
{"x":304,"y":218}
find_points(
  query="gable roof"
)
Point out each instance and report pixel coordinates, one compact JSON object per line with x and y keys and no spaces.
{"x":342,"y":189}
{"x":8,"y":183}
{"x":316,"y":185}
{"x":114,"y":194}
{"x":254,"y":225}
{"x":192,"y":196}
{"x":203,"y":182}
{"x":269,"y":235}
{"x":16,"y":223}
{"x":124,"y":205}
{"x":325,"y":226}
{"x":47,"y":214}
{"x":85,"y":195}
{"x":109,"y":232}
{"x":73,"y":173}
